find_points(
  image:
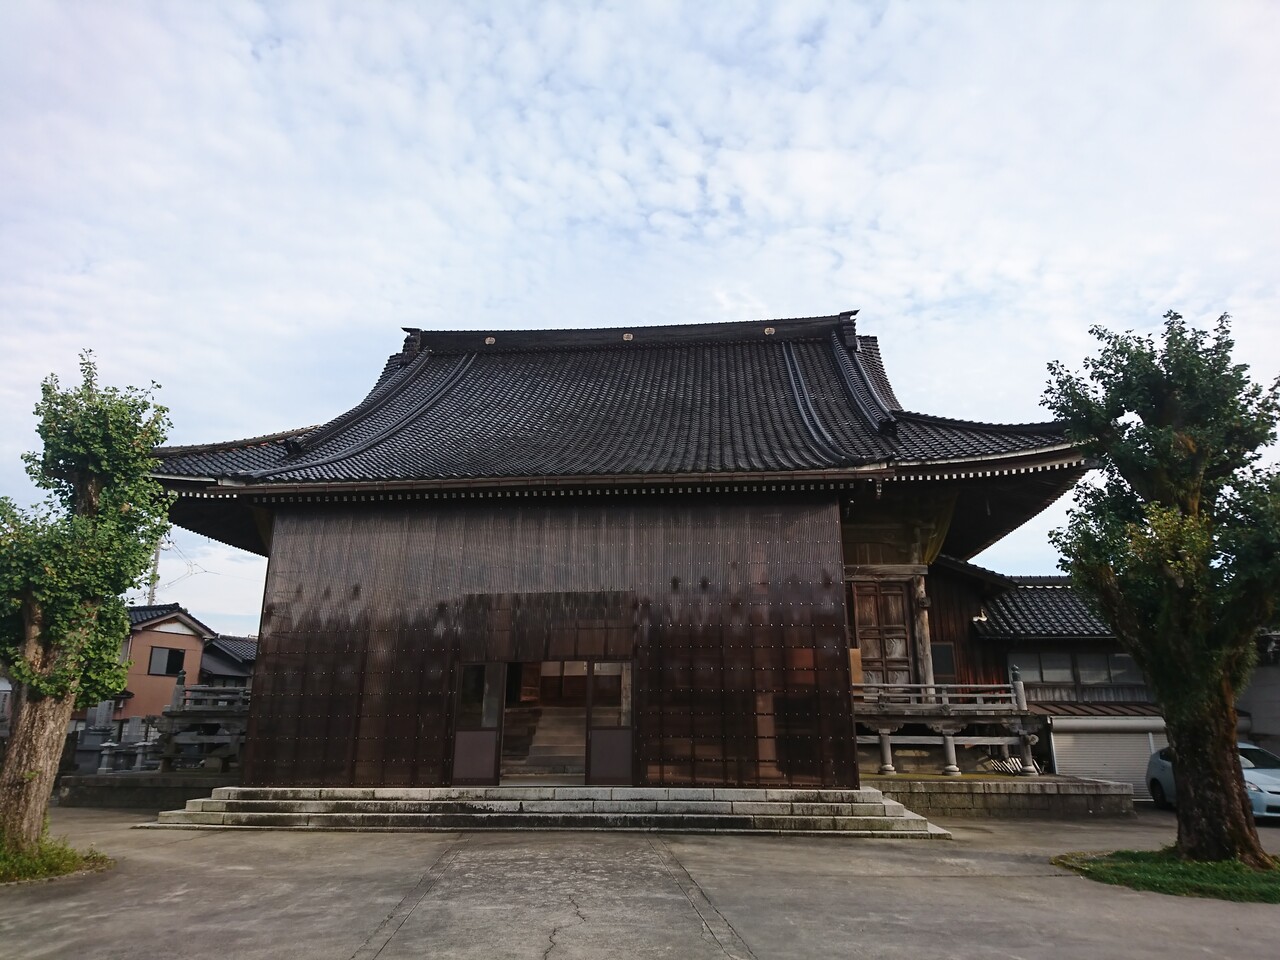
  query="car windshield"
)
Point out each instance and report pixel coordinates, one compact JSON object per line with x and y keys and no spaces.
{"x":1255,"y":758}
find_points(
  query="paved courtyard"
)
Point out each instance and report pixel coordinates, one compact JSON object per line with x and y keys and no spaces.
{"x":988,"y":893}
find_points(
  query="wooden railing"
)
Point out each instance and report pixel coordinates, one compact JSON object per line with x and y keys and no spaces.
{"x":205,"y":698}
{"x":948,"y":699}
{"x":948,"y":709}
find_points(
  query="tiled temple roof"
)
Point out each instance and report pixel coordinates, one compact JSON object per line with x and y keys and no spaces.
{"x":776,"y":396}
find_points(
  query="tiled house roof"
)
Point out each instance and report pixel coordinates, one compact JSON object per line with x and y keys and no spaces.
{"x":143,"y":614}
{"x":774,"y":396}
{"x":244,"y":649}
{"x":1041,"y":608}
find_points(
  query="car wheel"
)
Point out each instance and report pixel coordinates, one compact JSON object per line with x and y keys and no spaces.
{"x":1158,"y":797}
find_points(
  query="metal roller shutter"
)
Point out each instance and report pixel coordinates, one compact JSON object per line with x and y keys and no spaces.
{"x":1121,"y":757}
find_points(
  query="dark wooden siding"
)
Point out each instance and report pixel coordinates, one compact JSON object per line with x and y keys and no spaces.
{"x":732,"y":610}
{"x":954,"y":602}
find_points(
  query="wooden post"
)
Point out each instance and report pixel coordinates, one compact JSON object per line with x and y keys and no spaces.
{"x":924,"y":649}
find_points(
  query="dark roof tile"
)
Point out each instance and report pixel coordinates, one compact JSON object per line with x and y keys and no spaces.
{"x":1038,"y":608}
{"x":143,"y":613}
{"x":698,"y":399}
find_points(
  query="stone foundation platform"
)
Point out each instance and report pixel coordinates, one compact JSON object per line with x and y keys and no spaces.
{"x":1060,"y":798}
{"x":846,"y":813}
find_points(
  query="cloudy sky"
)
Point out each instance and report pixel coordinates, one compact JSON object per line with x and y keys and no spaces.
{"x":245,"y":202}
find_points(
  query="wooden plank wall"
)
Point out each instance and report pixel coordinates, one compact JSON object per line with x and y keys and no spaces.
{"x":955,"y":601}
{"x":732,"y":610}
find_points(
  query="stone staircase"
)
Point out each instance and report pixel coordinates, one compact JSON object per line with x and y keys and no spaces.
{"x":848,"y":813}
{"x":558,"y":747}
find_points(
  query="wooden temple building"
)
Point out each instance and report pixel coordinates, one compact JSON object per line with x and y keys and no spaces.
{"x":695,"y":555}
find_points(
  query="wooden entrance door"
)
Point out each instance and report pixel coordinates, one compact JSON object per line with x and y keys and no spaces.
{"x":881,"y":630}
{"x":609,"y":738}
{"x":477,"y":736}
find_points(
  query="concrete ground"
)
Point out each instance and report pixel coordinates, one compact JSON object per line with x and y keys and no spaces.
{"x":989,"y":893}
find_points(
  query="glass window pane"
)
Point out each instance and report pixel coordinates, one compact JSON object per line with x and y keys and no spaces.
{"x":480,"y":696}
{"x":1124,"y":670}
{"x":944,"y":661}
{"x":624,"y":707}
{"x":606,"y":698}
{"x":1093,"y":667}
{"x":494,"y":691}
{"x":1028,"y":665}
{"x":470,"y":696}
{"x":1056,"y":668}
{"x":165,"y":661}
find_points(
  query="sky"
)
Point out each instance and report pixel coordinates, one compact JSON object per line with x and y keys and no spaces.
{"x":245,"y":202}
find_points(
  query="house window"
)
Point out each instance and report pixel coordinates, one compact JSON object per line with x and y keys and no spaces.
{"x":944,"y":662}
{"x":1124,"y":670}
{"x":1056,"y":668}
{"x":1053,"y":675}
{"x":1093,"y":668}
{"x":165,"y":661}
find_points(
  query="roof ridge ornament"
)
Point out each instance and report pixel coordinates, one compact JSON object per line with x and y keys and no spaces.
{"x":859,"y":385}
{"x":849,"y":329}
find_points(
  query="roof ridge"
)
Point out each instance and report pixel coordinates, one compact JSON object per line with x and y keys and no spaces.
{"x":808,"y":415}
{"x":1040,"y":427}
{"x":378,"y":397}
{"x":858,"y":385}
{"x":622,"y":337}
{"x":232,"y":444}
{"x":431,"y":399}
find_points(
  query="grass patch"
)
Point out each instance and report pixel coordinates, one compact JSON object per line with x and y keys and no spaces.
{"x":53,"y":858}
{"x":1161,"y":871}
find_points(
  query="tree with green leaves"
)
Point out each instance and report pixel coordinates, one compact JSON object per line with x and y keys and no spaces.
{"x":1177,"y":545}
{"x":63,"y":568}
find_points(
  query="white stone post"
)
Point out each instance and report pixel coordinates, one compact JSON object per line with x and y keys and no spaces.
{"x":886,"y":753}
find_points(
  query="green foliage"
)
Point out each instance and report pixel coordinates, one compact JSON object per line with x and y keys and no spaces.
{"x":51,"y":858}
{"x":65,"y":564}
{"x":1163,"y":871}
{"x":1178,"y":545}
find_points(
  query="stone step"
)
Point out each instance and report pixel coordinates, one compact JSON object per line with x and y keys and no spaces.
{"x":748,"y":807}
{"x":677,"y":809}
{"x":787,"y":794}
{"x":560,"y":736}
{"x":906,"y":827}
{"x":557,"y":750}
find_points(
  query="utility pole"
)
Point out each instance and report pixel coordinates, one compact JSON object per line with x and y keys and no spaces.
{"x":155,"y":577}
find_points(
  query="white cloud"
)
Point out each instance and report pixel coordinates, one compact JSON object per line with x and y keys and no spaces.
{"x":246,"y":202}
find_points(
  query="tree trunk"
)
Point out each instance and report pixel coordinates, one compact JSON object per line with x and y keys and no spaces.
{"x":1215,"y":821}
{"x":36,"y":736}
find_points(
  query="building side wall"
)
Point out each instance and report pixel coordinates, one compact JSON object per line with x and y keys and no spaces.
{"x":954,"y":602}
{"x":153,"y":692}
{"x":731,"y":610}
{"x":1262,"y":700}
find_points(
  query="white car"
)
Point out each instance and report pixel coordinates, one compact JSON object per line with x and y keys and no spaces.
{"x":1261,"y":779}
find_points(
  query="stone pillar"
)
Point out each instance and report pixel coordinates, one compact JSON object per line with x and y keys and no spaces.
{"x":1019,"y":691}
{"x":951,"y":769}
{"x":179,"y":690}
{"x":1028,"y":762}
{"x":105,"y":761}
{"x":886,"y":753}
